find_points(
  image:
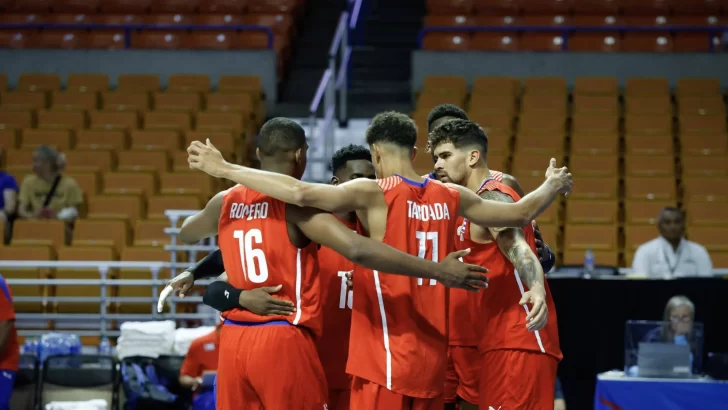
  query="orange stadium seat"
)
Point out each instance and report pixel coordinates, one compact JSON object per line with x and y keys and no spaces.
{"x":530,"y":165}
{"x":75,"y":101}
{"x":39,"y":82}
{"x":100,"y":140}
{"x":449,"y":20}
{"x":3,"y":81}
{"x":59,"y":139}
{"x":648,"y":105}
{"x":27,"y":253}
{"x":90,"y":161}
{"x":596,"y":86}
{"x":594,"y":166}
{"x":545,"y":85}
{"x":636,"y":235}
{"x":545,"y":144}
{"x":124,"y":207}
{"x":125,"y":6}
{"x":503,"y":86}
{"x":147,"y":254}
{"x":62,"y":120}
{"x":186,"y":184}
{"x":213,"y":121}
{"x":592,"y":212}
{"x":240,"y":84}
{"x":602,"y":239}
{"x":151,"y":233}
{"x":449,"y":7}
{"x":8,"y":139}
{"x":152,"y":140}
{"x":698,"y":87}
{"x":596,"y":104}
{"x":595,"y":41}
{"x":174,"y":6}
{"x":652,"y":188}
{"x":534,"y":41}
{"x":649,"y":145}
{"x":19,"y":160}
{"x":175,"y":121}
{"x":178,"y":101}
{"x":491,"y":123}
{"x":705,"y":189}
{"x":230,"y":102}
{"x":134,"y":183}
{"x":160,"y":203}
{"x":446,"y":41}
{"x":224,"y":141}
{"x":114,"y":120}
{"x":707,"y":214}
{"x":88,"y":181}
{"x":445,"y":83}
{"x":649,"y":166}
{"x":138,"y":83}
{"x":544,"y":123}
{"x":595,"y":143}
{"x":714,"y":124}
{"x":16,"y":119}
{"x":499,"y":143}
{"x":223,"y":6}
{"x":272,"y":6}
{"x":647,"y":86}
{"x":714,"y":166}
{"x":702,"y":105}
{"x":21,"y":101}
{"x":494,"y":104}
{"x":49,"y":233}
{"x":639,"y":125}
{"x":185,"y":83}
{"x":595,"y":123}
{"x":546,"y":104}
{"x":114,"y":234}
{"x":643,"y":212}
{"x":211,"y":40}
{"x":146,"y":161}
{"x":596,"y":188}
{"x":179,"y":162}
{"x":126,"y":101}
{"x":80,"y":253}
{"x":87,"y":83}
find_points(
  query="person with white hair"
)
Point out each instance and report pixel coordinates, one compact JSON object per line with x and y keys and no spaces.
{"x":677,"y":328}
{"x":47,"y":193}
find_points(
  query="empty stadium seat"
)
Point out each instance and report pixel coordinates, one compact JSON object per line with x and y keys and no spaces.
{"x":105,"y":233}
{"x":89,"y":161}
{"x":652,"y":165}
{"x":146,"y":254}
{"x":100,"y":140}
{"x":713,"y":166}
{"x":594,"y":166}
{"x":159,"y":203}
{"x":178,"y":101}
{"x":27,"y":253}
{"x":712,"y":237}
{"x":144,"y":161}
{"x":705,"y":189}
{"x":87,"y":82}
{"x":50,"y":233}
{"x":151,"y":233}
{"x":138,"y":83}
{"x":81,"y":253}
{"x":75,"y":101}
{"x":152,"y":140}
{"x":126,"y":101}
{"x":596,"y":188}
{"x":601,"y":239}
{"x":643,"y":212}
{"x":649,"y":145}
{"x":123,"y":207}
{"x":707,"y":214}
{"x":186,"y":184}
{"x":174,"y":121}
{"x":592,"y":212}
{"x":134,"y":183}
{"x":106,"y":120}
{"x":657,"y":188}
{"x":58,"y":139}
{"x":20,"y":101}
{"x":636,"y":235}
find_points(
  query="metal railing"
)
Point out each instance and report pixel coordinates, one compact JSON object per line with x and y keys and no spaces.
{"x":129,"y":29}
{"x":565,"y":31}
{"x":335,"y":79}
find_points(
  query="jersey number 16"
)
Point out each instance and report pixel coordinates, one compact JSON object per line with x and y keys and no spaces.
{"x":248,"y":254}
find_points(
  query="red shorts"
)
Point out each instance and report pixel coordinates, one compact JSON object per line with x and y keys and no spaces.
{"x":339,"y":399}
{"x":273,"y":366}
{"x":463,"y":372}
{"x":518,"y":379}
{"x":366,"y":395}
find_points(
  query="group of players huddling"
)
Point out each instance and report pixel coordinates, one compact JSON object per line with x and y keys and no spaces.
{"x":339,"y":333}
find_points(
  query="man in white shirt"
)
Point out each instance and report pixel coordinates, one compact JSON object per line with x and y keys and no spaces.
{"x":671,"y":255}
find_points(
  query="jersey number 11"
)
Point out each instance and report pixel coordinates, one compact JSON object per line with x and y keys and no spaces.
{"x":248,"y":254}
{"x":423,"y":238}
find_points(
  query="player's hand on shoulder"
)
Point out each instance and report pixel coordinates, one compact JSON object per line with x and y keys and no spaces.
{"x":456,"y":274}
{"x":260,"y":302}
{"x":560,"y":177}
{"x":537,"y":316}
{"x":206,"y":158}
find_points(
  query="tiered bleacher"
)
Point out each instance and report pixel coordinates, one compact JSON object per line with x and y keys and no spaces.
{"x":575,"y":25}
{"x":634,"y":150}
{"x":126,"y":149}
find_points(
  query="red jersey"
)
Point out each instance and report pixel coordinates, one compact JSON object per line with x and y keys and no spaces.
{"x":502,"y":318}
{"x":465,"y":328}
{"x":399,"y":324}
{"x":11,"y":356}
{"x":336,"y":297}
{"x":253,"y":236}
{"x":202,"y":355}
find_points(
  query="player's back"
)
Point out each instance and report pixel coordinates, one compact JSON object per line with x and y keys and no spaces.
{"x":399,"y":324}
{"x":500,"y":316}
{"x":257,"y":252}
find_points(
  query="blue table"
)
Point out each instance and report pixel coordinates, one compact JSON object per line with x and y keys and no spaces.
{"x":618,"y":392}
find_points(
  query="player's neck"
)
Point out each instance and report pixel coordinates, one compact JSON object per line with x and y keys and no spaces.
{"x":400,"y":166}
{"x":477,"y":176}
{"x":278,"y":168}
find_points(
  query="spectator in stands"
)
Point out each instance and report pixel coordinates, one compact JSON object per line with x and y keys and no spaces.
{"x":47,"y":193}
{"x":671,"y":255}
{"x":201,"y":358}
{"x":677,"y":328}
{"x":559,"y":401}
{"x":8,"y":203}
{"x":9,"y":348}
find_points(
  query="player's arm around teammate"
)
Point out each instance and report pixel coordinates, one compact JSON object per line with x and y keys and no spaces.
{"x":360,"y":194}
{"x":512,"y":242}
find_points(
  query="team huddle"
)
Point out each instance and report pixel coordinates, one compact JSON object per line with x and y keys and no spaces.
{"x":393,"y":290}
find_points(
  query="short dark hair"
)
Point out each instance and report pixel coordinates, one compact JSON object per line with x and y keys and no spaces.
{"x":392,"y":127}
{"x":349,"y":153}
{"x":280,"y":135}
{"x":460,"y":133}
{"x":445,"y":110}
{"x":671,"y":209}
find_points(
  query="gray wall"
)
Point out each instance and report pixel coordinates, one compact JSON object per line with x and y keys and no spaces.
{"x":114,"y":62}
{"x":569,"y":65}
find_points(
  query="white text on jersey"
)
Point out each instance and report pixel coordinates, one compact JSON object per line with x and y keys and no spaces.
{"x":257,"y":210}
{"x":425,"y":212}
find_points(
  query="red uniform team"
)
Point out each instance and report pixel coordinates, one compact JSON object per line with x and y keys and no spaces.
{"x":395,"y":327}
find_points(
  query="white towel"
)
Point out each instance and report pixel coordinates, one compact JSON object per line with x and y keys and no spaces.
{"x":183,"y":337}
{"x":153,"y":327}
{"x":97,"y":404}
{"x":148,"y":339}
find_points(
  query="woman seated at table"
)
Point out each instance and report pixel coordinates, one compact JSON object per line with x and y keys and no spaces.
{"x":677,"y":328}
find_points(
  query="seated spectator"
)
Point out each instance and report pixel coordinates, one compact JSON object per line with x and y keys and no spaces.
{"x":671,"y":255}
{"x":200,"y":359}
{"x":678,"y":328}
{"x":47,"y":193}
{"x":559,"y":401}
{"x":9,"y":349}
{"x":8,"y":203}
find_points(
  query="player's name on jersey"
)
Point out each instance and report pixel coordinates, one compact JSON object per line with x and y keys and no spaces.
{"x":426,"y":212}
{"x":258,"y":210}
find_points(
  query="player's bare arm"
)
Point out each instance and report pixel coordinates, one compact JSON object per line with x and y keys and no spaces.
{"x":204,"y":223}
{"x":351,"y":196}
{"x":326,"y":230}
{"x":511,"y":182}
{"x":484,"y":212}
{"x":512,"y":242}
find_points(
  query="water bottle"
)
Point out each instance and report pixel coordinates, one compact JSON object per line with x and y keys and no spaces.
{"x":105,"y":349}
{"x":588,"y":264}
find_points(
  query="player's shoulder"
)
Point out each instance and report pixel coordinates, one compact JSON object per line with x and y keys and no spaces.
{"x":496,"y":191}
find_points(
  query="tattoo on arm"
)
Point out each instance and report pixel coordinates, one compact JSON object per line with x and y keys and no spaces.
{"x":512,"y":242}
